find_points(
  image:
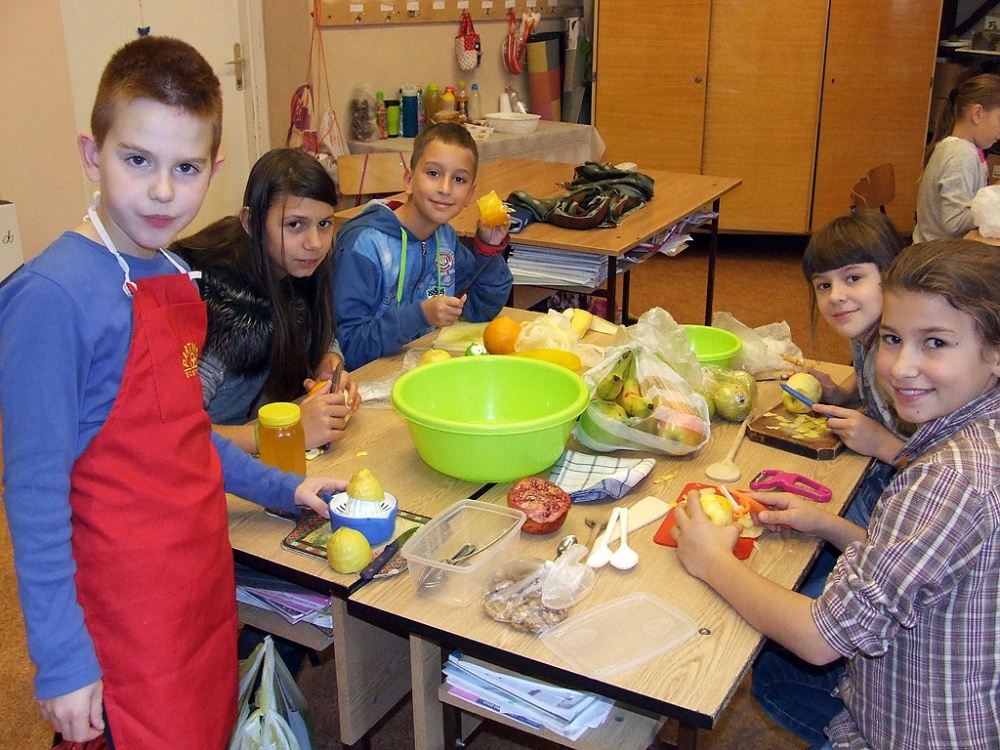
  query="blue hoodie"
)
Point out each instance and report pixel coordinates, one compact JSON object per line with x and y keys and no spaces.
{"x":376,"y":315}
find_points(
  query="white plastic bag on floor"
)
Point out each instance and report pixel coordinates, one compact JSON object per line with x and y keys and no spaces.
{"x":986,"y":211}
{"x":278,"y":716}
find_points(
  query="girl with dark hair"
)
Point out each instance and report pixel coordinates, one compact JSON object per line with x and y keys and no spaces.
{"x":266,"y":278}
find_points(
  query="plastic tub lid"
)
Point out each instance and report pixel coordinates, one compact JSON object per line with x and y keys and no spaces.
{"x":619,"y":634}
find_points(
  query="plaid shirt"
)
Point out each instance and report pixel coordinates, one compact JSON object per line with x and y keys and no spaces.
{"x":915,"y":608}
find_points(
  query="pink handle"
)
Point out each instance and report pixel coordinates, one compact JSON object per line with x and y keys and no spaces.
{"x":810,"y":489}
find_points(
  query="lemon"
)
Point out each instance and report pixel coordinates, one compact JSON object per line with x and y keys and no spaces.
{"x":348,"y":551}
{"x":434,"y":355}
{"x":364,"y":486}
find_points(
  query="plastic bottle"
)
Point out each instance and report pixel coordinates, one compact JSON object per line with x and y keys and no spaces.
{"x":392,"y":117}
{"x":409,"y":93}
{"x":462,"y":100}
{"x":421,"y":111}
{"x":475,"y":104}
{"x":432,"y":101}
{"x":381,"y":118}
{"x":516,"y":105}
{"x":281,"y":439}
{"x":448,"y":99}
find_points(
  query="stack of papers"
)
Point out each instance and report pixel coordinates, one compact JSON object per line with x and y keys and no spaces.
{"x":538,"y":705}
{"x":676,"y":238}
{"x":541,"y":266}
{"x":294,"y":603}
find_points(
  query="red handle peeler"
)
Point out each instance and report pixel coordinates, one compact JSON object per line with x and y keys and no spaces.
{"x":772,"y":479}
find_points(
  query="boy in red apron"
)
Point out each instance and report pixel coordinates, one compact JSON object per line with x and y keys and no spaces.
{"x":114,"y":481}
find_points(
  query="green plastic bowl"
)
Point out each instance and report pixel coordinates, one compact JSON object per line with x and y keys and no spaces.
{"x":490,"y":418}
{"x":713,"y":346}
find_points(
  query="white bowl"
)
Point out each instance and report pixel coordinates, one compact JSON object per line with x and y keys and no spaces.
{"x":513,"y":122}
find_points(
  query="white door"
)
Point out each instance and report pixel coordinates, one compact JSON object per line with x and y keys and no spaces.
{"x":94,"y":30}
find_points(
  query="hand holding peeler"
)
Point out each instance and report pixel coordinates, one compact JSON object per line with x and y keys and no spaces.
{"x":773,"y":479}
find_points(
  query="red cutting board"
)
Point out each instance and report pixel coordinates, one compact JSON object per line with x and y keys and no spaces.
{"x":771,"y":429}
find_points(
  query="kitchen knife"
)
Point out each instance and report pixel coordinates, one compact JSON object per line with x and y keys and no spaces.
{"x":386,"y":554}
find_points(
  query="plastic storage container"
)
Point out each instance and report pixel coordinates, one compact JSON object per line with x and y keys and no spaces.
{"x":494,"y":530}
{"x":281,"y":439}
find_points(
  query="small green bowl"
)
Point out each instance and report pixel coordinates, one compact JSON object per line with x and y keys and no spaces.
{"x":490,"y":418}
{"x":713,"y":346}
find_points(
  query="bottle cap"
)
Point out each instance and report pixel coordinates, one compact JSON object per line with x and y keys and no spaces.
{"x":279,"y":414}
{"x":475,"y":87}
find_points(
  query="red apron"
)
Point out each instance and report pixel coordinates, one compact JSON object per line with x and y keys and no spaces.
{"x":150,"y":538}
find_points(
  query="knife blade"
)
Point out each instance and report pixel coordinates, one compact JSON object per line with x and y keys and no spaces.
{"x":386,"y":554}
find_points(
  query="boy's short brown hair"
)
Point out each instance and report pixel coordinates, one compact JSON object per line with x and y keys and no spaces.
{"x":164,"y":70}
{"x":446,"y":132}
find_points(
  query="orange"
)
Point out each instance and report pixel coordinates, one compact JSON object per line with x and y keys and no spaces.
{"x":500,"y":334}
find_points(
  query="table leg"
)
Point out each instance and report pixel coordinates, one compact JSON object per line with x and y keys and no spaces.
{"x":626,"y":289}
{"x":373,"y":672}
{"x":611,"y":309}
{"x":713,"y":245}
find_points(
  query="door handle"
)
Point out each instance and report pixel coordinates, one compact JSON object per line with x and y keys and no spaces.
{"x":238,"y":61}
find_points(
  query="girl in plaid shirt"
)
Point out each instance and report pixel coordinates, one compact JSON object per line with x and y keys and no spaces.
{"x":912,"y":601}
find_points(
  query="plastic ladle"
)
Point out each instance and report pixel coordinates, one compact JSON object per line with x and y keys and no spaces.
{"x":624,"y":558}
{"x":726,"y":470}
{"x":601,"y":555}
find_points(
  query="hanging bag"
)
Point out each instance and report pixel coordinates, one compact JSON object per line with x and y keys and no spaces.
{"x":468,"y":48}
{"x":278,"y":717}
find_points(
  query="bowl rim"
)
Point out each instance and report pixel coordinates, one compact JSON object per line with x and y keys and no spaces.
{"x":551,"y":420}
{"x":512,"y":116}
{"x":732,"y":351}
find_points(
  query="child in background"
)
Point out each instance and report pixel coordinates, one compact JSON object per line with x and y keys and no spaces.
{"x":266,"y":278}
{"x":912,"y":602}
{"x":843,"y":263}
{"x":956,"y":169}
{"x":114,"y":480}
{"x":400,"y":270}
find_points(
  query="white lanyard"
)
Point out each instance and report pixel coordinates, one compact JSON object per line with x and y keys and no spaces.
{"x":128,"y":285}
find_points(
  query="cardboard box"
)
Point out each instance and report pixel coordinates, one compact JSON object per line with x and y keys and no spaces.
{"x":11,"y":254}
{"x":993,"y":168}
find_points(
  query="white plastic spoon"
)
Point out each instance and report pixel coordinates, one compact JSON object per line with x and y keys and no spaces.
{"x":624,"y":558}
{"x":602,"y":552}
{"x":726,"y":470}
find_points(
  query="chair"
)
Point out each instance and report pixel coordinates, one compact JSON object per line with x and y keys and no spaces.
{"x":873,"y":191}
{"x":375,"y":173}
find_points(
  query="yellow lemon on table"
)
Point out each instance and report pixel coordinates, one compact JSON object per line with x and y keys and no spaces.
{"x":348,"y":551}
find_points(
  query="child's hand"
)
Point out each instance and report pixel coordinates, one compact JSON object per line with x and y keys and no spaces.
{"x":860,"y":433}
{"x":307,"y":494}
{"x":442,"y":311}
{"x":833,"y":393}
{"x":325,"y":415}
{"x":700,"y":543}
{"x":77,"y":716}
{"x":788,"y":511}
{"x":493,"y":235}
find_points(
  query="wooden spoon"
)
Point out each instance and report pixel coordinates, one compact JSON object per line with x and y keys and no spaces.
{"x":726,"y":470}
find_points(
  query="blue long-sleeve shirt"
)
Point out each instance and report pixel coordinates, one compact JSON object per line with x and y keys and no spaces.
{"x":376,"y":315}
{"x":65,"y":332}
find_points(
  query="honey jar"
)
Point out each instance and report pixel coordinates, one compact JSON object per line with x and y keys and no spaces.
{"x":281,"y":439}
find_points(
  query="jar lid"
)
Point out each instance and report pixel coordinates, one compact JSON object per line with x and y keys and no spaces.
{"x":279,"y":414}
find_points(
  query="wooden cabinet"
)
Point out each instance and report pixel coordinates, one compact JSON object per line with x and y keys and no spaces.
{"x":799,"y":99}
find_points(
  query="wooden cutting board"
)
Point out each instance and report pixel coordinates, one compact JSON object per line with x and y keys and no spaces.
{"x":772,"y":429}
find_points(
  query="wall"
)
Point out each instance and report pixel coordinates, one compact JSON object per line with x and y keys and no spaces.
{"x":39,"y":163}
{"x":384,"y":57}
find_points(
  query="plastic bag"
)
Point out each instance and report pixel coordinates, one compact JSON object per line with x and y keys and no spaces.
{"x":554,"y":331}
{"x":363,"y":115}
{"x":762,"y":346}
{"x":986,"y":210}
{"x":668,"y":373}
{"x":278,"y":716}
{"x":533,"y":595}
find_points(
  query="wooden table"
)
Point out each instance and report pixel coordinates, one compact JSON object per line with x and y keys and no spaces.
{"x":389,"y":640}
{"x":676,"y":196}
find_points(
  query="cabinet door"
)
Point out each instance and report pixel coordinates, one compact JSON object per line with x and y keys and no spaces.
{"x":765,"y":70}
{"x":651,"y":59}
{"x":876,"y":100}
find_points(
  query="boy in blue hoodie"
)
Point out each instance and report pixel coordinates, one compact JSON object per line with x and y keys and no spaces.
{"x":399,"y":267}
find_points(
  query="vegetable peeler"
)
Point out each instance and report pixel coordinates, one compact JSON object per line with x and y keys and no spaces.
{"x":773,"y":479}
{"x":795,"y":394}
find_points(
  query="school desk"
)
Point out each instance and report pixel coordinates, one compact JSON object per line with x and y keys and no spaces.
{"x":388,"y":640}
